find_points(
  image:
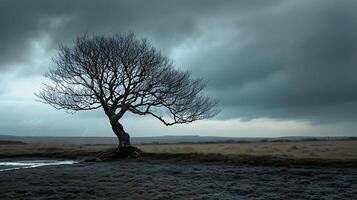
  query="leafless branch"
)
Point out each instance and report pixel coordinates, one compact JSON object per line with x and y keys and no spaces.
{"x":122,"y":73}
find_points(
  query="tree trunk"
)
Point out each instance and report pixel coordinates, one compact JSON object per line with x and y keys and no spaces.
{"x":123,"y":137}
{"x":124,"y":148}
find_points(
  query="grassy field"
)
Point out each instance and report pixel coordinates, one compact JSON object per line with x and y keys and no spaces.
{"x":254,"y":152}
{"x":258,"y":170}
{"x":302,"y":149}
{"x":51,"y":150}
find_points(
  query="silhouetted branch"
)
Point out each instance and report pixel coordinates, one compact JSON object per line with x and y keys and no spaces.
{"x":120,"y":74}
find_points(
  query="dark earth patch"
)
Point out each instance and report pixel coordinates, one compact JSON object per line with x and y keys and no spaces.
{"x":161,"y":179}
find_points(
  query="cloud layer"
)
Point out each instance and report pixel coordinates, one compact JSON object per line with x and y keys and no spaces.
{"x":277,"y":60}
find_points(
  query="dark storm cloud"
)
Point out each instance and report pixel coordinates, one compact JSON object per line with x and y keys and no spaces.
{"x":297,"y":61}
{"x":166,"y":23}
{"x":277,"y":59}
{"x":21,"y":23}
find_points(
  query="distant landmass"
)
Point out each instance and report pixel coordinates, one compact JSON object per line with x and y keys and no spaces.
{"x":149,"y":140}
{"x":11,"y":142}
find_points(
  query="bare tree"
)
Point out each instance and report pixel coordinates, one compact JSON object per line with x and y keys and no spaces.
{"x":123,"y":73}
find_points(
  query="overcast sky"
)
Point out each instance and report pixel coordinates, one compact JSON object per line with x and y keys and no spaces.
{"x":277,"y":67}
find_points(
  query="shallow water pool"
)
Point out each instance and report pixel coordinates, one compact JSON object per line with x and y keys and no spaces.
{"x":16,"y":165}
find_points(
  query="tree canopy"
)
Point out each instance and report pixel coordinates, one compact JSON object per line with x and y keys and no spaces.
{"x":123,"y":73}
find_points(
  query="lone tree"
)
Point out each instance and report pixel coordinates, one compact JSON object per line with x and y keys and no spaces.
{"x":123,"y":73}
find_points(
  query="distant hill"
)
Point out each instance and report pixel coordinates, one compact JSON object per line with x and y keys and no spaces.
{"x":158,"y":139}
{"x":11,"y":142}
{"x":113,"y":140}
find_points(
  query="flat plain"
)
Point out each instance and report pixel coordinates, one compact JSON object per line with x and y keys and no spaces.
{"x":187,"y":171}
{"x":338,"y":150}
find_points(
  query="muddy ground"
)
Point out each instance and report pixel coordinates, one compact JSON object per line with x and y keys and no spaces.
{"x":164,"y":179}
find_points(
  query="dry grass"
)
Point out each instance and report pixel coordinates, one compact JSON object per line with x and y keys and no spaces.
{"x":333,"y":153}
{"x":51,"y":150}
{"x":302,"y":149}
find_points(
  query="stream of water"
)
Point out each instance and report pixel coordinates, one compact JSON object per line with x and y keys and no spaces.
{"x":16,"y":165}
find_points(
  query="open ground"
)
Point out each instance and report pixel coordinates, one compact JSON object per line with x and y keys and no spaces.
{"x":259,"y":170}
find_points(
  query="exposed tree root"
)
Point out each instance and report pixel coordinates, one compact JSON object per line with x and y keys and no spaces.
{"x":118,"y":153}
